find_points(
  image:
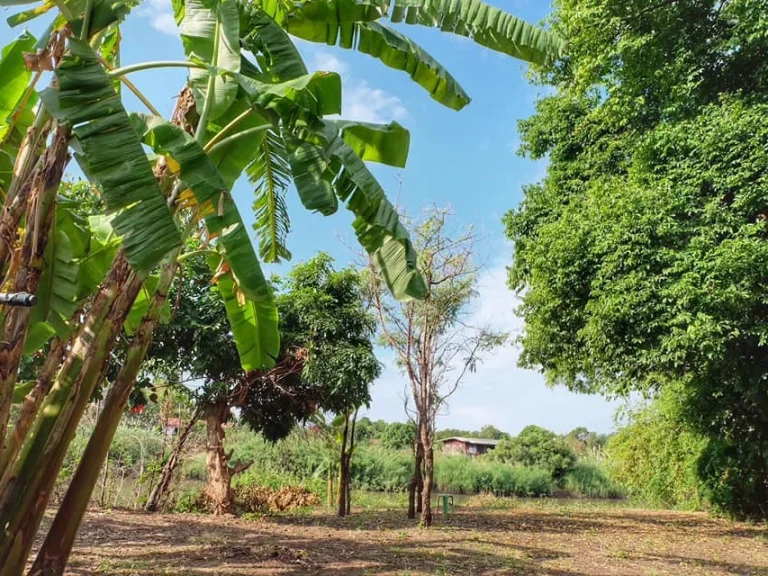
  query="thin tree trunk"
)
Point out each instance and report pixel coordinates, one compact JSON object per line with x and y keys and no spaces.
{"x":350,"y":452}
{"x":54,"y":553}
{"x":330,"y":484}
{"x":429,"y":469}
{"x":40,"y":213}
{"x":415,"y":487}
{"x":157,"y":497}
{"x":420,"y":479}
{"x":29,"y":487}
{"x":343,"y":470}
{"x":219,"y":488}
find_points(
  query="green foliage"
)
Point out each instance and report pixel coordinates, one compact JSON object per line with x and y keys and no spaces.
{"x":536,"y":447}
{"x":655,"y":456}
{"x":322,"y":311}
{"x":589,"y":480}
{"x":460,"y":475}
{"x":126,"y":180}
{"x":399,"y":436}
{"x":642,"y":254}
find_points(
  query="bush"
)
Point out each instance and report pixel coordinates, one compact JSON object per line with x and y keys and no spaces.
{"x":473,"y":476}
{"x":538,"y":448}
{"x":655,"y":457}
{"x":589,"y":480}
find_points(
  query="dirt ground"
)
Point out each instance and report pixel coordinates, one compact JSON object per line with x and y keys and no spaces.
{"x":472,"y":542}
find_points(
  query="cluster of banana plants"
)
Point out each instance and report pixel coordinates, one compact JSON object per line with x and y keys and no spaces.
{"x":250,"y":109}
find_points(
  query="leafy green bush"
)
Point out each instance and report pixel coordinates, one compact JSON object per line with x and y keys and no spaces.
{"x":656,"y":457}
{"x":589,"y":480}
{"x":399,"y":436}
{"x":462,"y":475}
{"x":536,"y":447}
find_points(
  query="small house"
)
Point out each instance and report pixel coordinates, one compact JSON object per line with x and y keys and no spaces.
{"x":468,"y":446}
{"x":172,"y":426}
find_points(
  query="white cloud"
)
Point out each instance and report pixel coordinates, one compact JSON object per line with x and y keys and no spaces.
{"x":360,"y":101}
{"x":160,"y":16}
{"x":327,"y":62}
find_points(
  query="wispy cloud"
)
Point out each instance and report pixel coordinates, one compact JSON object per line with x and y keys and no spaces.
{"x":360,"y":101}
{"x":160,"y":16}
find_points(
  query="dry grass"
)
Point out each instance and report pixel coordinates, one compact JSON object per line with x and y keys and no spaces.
{"x":559,"y":540}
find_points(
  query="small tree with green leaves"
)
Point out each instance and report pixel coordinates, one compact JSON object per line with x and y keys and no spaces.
{"x":434,"y":344}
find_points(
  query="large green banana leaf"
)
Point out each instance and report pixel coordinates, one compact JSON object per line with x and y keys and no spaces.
{"x":390,"y":47}
{"x":232,"y":158}
{"x":313,"y":177}
{"x":110,"y":154}
{"x":319,"y":94}
{"x":15,"y":77}
{"x":485,"y":24}
{"x":104,"y":13}
{"x":253,"y":321}
{"x":14,"y":119}
{"x":103,"y":249}
{"x":384,"y":143}
{"x":210,"y":32}
{"x":58,"y":288}
{"x":141,"y":306}
{"x":377,"y":224}
{"x":275,"y":51}
{"x":270,"y":173}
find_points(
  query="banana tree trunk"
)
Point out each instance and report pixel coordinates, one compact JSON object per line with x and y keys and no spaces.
{"x":54,"y":553}
{"x":45,"y":182}
{"x":31,"y":406}
{"x":162,"y":489}
{"x":219,"y":488}
{"x":29,"y":486}
{"x":18,"y":191}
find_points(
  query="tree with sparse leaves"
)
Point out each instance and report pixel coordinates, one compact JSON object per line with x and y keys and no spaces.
{"x":434,"y":345}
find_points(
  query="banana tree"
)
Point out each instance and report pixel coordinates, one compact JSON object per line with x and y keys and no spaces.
{"x":271,"y":106}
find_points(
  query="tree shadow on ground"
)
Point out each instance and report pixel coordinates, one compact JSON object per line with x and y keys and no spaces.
{"x":470,"y":543}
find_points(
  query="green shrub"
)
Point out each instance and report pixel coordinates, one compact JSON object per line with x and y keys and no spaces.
{"x":461,"y":475}
{"x":589,"y":480}
{"x":655,"y":457}
{"x":538,"y":448}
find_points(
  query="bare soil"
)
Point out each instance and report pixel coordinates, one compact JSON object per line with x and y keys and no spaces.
{"x":472,"y":542}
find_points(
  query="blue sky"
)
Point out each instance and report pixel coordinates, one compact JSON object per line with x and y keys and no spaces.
{"x":465,"y":160}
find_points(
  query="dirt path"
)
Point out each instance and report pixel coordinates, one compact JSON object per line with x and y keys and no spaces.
{"x":522,"y":541}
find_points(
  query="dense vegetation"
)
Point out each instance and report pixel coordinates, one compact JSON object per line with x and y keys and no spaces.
{"x":642,"y":256}
{"x":303,"y":458}
{"x":249,"y":108}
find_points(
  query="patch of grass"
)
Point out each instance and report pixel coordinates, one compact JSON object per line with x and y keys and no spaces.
{"x":589,"y":480}
{"x":459,"y":475}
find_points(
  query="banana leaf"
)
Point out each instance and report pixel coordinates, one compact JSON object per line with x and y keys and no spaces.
{"x":485,"y":24}
{"x":247,"y":296}
{"x":210,"y":32}
{"x":111,"y":156}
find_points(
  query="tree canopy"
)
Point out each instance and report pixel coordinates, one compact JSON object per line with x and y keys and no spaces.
{"x":642,"y":257}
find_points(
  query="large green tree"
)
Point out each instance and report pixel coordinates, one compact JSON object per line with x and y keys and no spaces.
{"x":642,"y":257}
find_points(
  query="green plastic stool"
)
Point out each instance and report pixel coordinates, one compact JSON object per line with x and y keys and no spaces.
{"x":447,"y":502}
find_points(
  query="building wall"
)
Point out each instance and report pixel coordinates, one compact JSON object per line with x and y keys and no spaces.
{"x":454,"y":447}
